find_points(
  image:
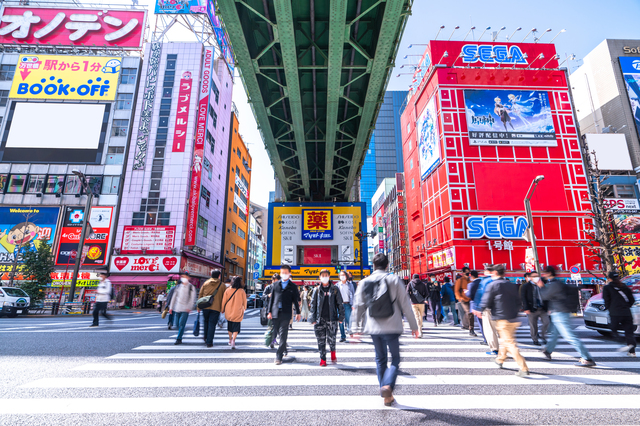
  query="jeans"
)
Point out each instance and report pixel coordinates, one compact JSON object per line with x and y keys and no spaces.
{"x":436,"y":311}
{"x":171,"y":318}
{"x":210,"y":321}
{"x":418,"y":312}
{"x":347,"y":321}
{"x":281,"y":328}
{"x":100,"y":308}
{"x":626,"y":323}
{"x":387,"y":374}
{"x":507,"y":330}
{"x":451,"y":307}
{"x":560,"y":326}
{"x":181,"y":322}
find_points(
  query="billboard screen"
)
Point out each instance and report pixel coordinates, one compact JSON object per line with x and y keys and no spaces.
{"x":23,"y":229}
{"x":72,"y":27}
{"x":221,"y":35}
{"x":96,"y":246}
{"x":509,"y":117}
{"x":628,"y":227}
{"x":631,"y":73}
{"x":428,"y":139}
{"x":38,"y":132}
{"x":93,"y":78}
{"x":179,"y":6}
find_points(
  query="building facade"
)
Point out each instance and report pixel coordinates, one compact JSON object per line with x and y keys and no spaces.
{"x":237,"y":203}
{"x":171,"y":217}
{"x":483,"y":123}
{"x":384,"y":156}
{"x":392,"y":229}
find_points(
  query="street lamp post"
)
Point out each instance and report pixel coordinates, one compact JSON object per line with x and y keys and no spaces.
{"x":527,"y":207}
{"x":83,"y":234}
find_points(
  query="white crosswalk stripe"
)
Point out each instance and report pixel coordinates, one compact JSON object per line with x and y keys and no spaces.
{"x":446,"y":357}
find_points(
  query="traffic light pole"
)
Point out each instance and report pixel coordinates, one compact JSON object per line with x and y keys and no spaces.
{"x":83,"y":235}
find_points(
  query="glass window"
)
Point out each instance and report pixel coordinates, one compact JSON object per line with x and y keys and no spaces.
{"x":208,"y":168}
{"x":239,"y":156}
{"x":206,"y":195}
{"x":411,"y":164}
{"x":111,"y":184}
{"x":242,"y":215}
{"x":212,"y":142}
{"x":241,"y":233}
{"x":215,"y":90}
{"x":73,"y":185}
{"x":232,"y":249}
{"x":6,"y":72}
{"x":150,"y":218}
{"x":115,"y":155}
{"x":235,"y":208}
{"x":412,"y":184}
{"x":128,"y":75}
{"x":233,"y":227}
{"x":240,"y":252}
{"x":214,"y":119}
{"x":164,"y":218}
{"x":3,"y":183}
{"x":138,"y":219}
{"x":120,"y":128}
{"x":36,"y":184}
{"x":4,"y":97}
{"x":124,"y":101}
{"x":54,"y":184}
{"x":204,"y":225}
{"x":624,"y":191}
{"x":95,"y":184}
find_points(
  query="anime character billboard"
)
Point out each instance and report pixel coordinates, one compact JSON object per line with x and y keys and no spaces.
{"x":509,"y":117}
{"x":631,"y":72}
{"x":23,"y":229}
{"x":428,"y":139}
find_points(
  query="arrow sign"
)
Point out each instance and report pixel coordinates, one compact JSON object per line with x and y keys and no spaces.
{"x":24,"y":74}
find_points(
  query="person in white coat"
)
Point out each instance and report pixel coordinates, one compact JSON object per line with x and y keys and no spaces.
{"x":182,"y":303}
{"x":103,"y":295}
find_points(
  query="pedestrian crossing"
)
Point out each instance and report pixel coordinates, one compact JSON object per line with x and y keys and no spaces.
{"x":445,"y":371}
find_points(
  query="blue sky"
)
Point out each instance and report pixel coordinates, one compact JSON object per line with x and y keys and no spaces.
{"x":587,"y":22}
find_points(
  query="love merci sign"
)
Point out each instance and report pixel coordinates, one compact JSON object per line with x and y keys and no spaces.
{"x":145,"y":264}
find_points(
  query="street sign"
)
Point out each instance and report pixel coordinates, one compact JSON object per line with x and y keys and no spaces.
{"x":73,"y":254}
{"x":356,"y":252}
{"x":256,"y":266}
{"x":256,"y":275}
{"x":574,"y":270}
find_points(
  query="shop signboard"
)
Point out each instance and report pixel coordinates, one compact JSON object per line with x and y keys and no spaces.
{"x":24,"y":229}
{"x":442,"y":258}
{"x":151,"y":239}
{"x":496,"y":227}
{"x":312,"y":272}
{"x":145,"y":264}
{"x":85,"y":279}
{"x":50,"y":26}
{"x":428,"y":139}
{"x":194,"y":267}
{"x":241,"y":186}
{"x":96,"y":245}
{"x":317,"y":224}
{"x":631,"y":73}
{"x":198,"y":151}
{"x":628,"y":227}
{"x":179,"y":7}
{"x":182,"y":113}
{"x":239,"y":202}
{"x":622,"y":205}
{"x":509,"y":118}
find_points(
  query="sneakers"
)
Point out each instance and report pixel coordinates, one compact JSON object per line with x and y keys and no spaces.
{"x":546,"y":354}
{"x":169,"y":327}
{"x":229,"y":344}
{"x":92,"y":325}
{"x":626,"y":348}
{"x":178,"y":342}
{"x":386,"y":392}
{"x":209,"y":345}
{"x":343,"y":340}
{"x":522,"y":373}
{"x":535,"y":342}
{"x":586,"y":363}
{"x":334,"y":359}
{"x":323,"y":363}
{"x":494,"y":353}
{"x":278,"y":362}
{"x":631,"y":354}
{"x":498,"y":363}
{"x":473,"y":334}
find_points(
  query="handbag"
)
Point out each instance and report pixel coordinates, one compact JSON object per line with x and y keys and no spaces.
{"x":206,"y":301}
{"x":165,"y":312}
{"x":196,"y":326}
{"x":263,"y":316}
{"x":269,"y":336}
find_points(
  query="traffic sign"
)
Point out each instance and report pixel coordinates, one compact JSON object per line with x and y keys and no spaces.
{"x":574,"y":270}
{"x":256,"y":275}
{"x":256,"y":266}
{"x":73,"y":254}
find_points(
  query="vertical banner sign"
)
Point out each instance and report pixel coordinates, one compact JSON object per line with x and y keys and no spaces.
{"x":182,"y":114}
{"x":148,"y":98}
{"x":198,"y":152}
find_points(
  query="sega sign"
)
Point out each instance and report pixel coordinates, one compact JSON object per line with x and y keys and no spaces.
{"x":496,"y":227}
{"x":490,"y":54}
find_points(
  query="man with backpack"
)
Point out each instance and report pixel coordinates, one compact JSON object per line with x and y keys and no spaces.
{"x":382,"y":301}
{"x":417,"y":295}
{"x":449,"y":301}
{"x":562,"y":302}
{"x":210,"y":303}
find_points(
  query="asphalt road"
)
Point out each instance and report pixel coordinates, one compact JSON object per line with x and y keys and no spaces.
{"x":57,"y":370}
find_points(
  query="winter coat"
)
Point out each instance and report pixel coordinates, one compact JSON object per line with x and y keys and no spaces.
{"x":529,"y":292}
{"x":286,"y":298}
{"x":234,"y":303}
{"x":184,"y":298}
{"x":448,"y":295}
{"x":336,"y":308}
{"x":209,"y":288}
{"x":103,"y":291}
{"x":614,"y":299}
{"x":556,"y":294}
{"x":502,"y":297}
{"x":461,"y":287}
{"x":417,"y":286}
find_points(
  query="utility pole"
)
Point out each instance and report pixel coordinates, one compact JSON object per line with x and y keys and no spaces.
{"x":83,"y":234}
{"x":527,"y":207}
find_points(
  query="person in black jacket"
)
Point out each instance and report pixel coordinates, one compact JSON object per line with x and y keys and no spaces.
{"x":326,"y":312}
{"x":434,"y":288}
{"x":418,"y":295}
{"x":618,"y":299}
{"x":284,"y":296}
{"x":501,"y":297}
{"x":534,"y":307}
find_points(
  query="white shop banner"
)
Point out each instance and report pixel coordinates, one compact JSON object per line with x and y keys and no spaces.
{"x":145,"y":264}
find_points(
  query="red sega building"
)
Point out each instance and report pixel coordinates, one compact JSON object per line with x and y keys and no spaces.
{"x":483,"y":120}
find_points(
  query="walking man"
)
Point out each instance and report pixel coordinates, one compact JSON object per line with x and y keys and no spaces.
{"x":460,"y":290}
{"x":171,"y":316}
{"x":618,"y":300}
{"x":534,"y":307}
{"x":487,"y":324}
{"x":556,"y":292}
{"x":212,"y":287}
{"x":381,"y":299}
{"x":449,"y":301}
{"x":417,"y":295}
{"x":182,"y":303}
{"x":501,"y":298}
{"x":434,"y":288}
{"x":326,"y":312}
{"x":284,"y":297}
{"x":348,"y":293}
{"x":161,"y":298}
{"x":103,"y":295}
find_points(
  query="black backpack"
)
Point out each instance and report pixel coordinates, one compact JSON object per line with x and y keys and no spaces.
{"x":419,"y":298}
{"x":572,"y":298}
{"x":377,"y":299}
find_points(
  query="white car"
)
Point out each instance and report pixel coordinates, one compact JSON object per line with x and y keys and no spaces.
{"x":13,"y":301}
{"x":596,"y":317}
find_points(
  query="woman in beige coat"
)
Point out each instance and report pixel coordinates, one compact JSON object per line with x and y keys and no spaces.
{"x":234,"y":303}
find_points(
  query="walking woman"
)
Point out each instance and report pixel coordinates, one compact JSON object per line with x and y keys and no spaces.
{"x":326,"y":312}
{"x":304,"y":304}
{"x":234,"y":303}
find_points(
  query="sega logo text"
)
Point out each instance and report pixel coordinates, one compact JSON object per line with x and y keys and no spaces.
{"x":496,"y":227}
{"x":489,"y":54}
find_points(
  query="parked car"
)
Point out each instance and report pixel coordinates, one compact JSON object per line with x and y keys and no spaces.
{"x":13,"y":301}
{"x":254,"y":301}
{"x":596,"y":317}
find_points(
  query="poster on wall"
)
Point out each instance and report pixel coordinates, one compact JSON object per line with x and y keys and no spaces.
{"x":631,"y":73}
{"x":428,"y":139}
{"x":95,"y":245}
{"x":628,"y":227}
{"x":509,"y":117}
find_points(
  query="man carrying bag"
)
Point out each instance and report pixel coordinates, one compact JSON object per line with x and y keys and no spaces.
{"x":210,"y":303}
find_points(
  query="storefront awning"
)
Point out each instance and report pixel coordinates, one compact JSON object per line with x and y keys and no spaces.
{"x":140,"y":279}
